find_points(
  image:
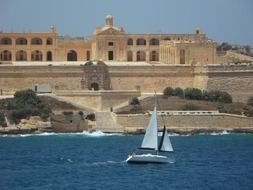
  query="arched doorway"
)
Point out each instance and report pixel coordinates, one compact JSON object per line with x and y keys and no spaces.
{"x":94,"y":86}
{"x":49,"y":56}
{"x":72,"y":56}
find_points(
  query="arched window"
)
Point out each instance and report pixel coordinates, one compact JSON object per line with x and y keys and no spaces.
{"x":49,"y":41}
{"x":141,"y":41}
{"x":5,"y":55}
{"x":36,"y":56}
{"x":21,"y":55}
{"x":72,"y":56}
{"x":21,"y":41}
{"x":129,"y":56}
{"x":154,"y":56}
{"x":36,"y":41}
{"x":141,"y":56}
{"x":6,"y":41}
{"x":182,"y":56}
{"x":130,"y":42}
{"x":154,"y":42}
{"x":49,"y":56}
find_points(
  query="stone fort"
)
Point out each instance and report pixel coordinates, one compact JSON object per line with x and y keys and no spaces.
{"x":114,"y":60}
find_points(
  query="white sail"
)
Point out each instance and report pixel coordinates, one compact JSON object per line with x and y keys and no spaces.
{"x":150,"y":140}
{"x":166,"y":144}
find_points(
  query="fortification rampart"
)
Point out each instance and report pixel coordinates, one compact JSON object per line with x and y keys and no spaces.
{"x":237,"y":79}
{"x":188,"y":122}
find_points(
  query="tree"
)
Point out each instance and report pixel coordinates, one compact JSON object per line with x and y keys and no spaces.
{"x":134,"y":101}
{"x":193,"y":93}
{"x":179,"y":92}
{"x":25,"y":104}
{"x":250,"y":101}
{"x":168,"y":91}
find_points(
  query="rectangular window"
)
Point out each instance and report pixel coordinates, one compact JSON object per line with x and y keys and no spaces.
{"x":110,"y":43}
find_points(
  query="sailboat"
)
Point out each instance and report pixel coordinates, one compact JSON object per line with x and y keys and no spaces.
{"x":150,"y":148}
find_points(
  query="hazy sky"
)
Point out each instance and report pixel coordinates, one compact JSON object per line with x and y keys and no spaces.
{"x":222,"y":20}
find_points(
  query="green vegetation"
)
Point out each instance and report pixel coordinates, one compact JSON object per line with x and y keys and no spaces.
{"x":135,"y":104}
{"x":91,"y":117}
{"x":197,"y":94}
{"x":134,"y":101}
{"x":179,"y":92}
{"x":193,"y":94}
{"x":25,"y":104}
{"x":168,"y":91}
{"x":2,"y":120}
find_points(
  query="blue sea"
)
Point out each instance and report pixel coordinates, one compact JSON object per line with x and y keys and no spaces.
{"x":96,"y":161}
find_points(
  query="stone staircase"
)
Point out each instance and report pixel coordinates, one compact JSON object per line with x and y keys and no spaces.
{"x":105,"y":122}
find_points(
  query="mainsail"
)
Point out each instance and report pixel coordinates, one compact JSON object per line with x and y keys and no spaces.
{"x":150,"y":140}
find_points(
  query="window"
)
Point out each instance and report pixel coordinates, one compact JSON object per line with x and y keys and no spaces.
{"x":130,"y":42}
{"x":154,"y":56}
{"x":49,"y":56}
{"x":182,"y":56}
{"x":110,"y":55}
{"x":141,"y":41}
{"x":21,"y":56}
{"x":87,"y":55}
{"x":36,"y":56}
{"x":6,"y":41}
{"x":110,"y":43}
{"x":49,"y":41}
{"x":6,"y":55}
{"x":154,"y":42}
{"x":141,"y":56}
{"x":21,"y":41}
{"x":36,"y":41}
{"x":72,"y":56}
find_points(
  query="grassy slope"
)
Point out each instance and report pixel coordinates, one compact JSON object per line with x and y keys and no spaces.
{"x":176,"y":103}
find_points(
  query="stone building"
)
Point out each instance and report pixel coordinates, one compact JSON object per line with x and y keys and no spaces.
{"x":108,"y":43}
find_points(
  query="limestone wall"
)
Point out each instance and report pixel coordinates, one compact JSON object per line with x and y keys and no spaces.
{"x":237,"y":80}
{"x":188,"y":122}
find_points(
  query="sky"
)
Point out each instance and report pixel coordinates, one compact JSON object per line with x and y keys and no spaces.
{"x":221,"y":20}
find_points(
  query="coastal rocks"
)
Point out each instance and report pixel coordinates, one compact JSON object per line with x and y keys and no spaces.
{"x":32,"y":125}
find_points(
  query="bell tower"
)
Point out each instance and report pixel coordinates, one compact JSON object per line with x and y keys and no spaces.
{"x":109,"y":20}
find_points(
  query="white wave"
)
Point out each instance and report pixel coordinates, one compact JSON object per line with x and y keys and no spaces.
{"x":98,"y":134}
{"x":84,"y":133}
{"x":220,"y":133}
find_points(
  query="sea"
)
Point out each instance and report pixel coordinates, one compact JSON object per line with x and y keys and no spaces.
{"x":92,"y":161}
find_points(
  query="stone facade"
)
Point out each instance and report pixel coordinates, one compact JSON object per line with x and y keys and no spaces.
{"x":108,"y":43}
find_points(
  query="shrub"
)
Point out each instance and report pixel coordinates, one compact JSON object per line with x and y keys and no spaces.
{"x":250,"y":101}
{"x":217,"y":96}
{"x":179,"y":92}
{"x":168,"y":91}
{"x":2,"y":120}
{"x":190,"y":106}
{"x":25,"y":104}
{"x":134,"y":101}
{"x":91,"y":117}
{"x":193,"y":93}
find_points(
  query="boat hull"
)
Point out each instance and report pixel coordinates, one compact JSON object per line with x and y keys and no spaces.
{"x":147,"y":158}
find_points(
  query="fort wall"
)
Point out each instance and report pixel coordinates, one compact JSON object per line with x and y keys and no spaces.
{"x":188,"y":122}
{"x":235,"y":79}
